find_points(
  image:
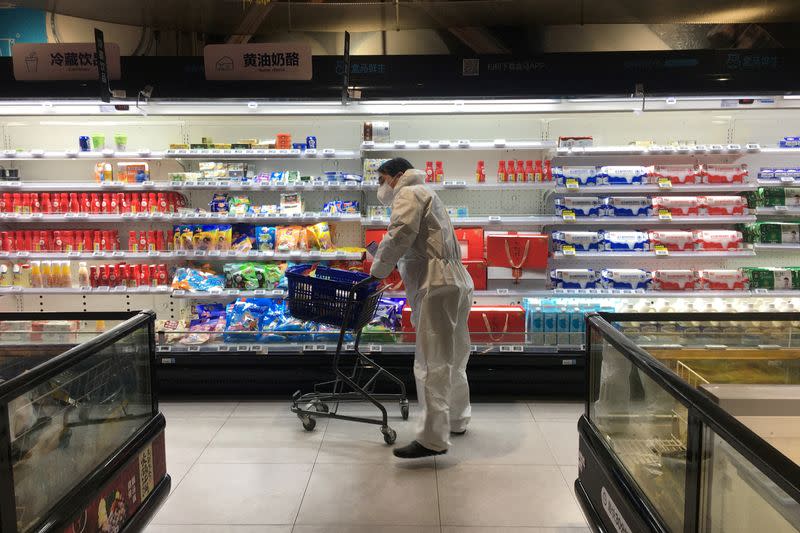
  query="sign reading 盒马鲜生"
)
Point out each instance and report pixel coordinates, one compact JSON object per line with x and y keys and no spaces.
{"x":62,"y":61}
{"x":258,"y":61}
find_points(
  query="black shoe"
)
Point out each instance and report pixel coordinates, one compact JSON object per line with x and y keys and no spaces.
{"x":415,"y":450}
{"x":458,"y":433}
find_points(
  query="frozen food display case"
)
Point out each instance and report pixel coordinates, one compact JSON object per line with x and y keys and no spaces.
{"x":81,"y":437}
{"x":692,"y":423}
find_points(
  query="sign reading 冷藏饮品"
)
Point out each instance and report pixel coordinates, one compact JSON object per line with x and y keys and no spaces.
{"x":62,"y":61}
{"x":258,"y":61}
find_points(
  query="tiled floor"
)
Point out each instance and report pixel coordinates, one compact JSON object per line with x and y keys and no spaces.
{"x":247,"y":467}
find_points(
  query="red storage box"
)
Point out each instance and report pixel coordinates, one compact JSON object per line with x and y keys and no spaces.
{"x":477,"y":271}
{"x":471,"y":242}
{"x":503,"y":324}
{"x":517,"y":250}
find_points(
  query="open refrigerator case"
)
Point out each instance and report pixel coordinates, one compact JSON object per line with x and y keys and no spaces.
{"x":80,"y":423}
{"x":692,"y":423}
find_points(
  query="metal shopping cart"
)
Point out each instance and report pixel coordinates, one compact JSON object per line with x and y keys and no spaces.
{"x":348,"y":300}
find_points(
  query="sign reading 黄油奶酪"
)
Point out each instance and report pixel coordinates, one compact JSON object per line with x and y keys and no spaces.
{"x":62,"y":61}
{"x":258,"y":61}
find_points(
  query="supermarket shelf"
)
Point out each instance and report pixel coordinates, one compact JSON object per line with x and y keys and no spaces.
{"x":312,"y":347}
{"x":795,"y":248}
{"x":651,"y":254}
{"x":398,"y":146}
{"x":472,"y":185}
{"x":700,"y":149}
{"x":305,"y":218}
{"x":229,"y":294}
{"x":778,"y":211}
{"x":21,"y":291}
{"x":653,"y":188}
{"x":188,"y":255}
{"x":653,"y":220}
{"x":783,"y":182}
{"x":320,"y":153}
{"x":487,"y":221}
{"x":217,"y":185}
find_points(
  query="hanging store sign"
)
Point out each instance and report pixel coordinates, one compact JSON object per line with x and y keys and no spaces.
{"x":62,"y":61}
{"x":258,"y":61}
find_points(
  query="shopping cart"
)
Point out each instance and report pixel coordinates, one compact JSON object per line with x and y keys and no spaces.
{"x":348,"y":300}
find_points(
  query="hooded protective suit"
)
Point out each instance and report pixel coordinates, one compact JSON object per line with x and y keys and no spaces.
{"x":421,"y":242}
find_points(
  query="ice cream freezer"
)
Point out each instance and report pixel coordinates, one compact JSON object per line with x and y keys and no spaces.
{"x":81,"y":437}
{"x":692,"y":423}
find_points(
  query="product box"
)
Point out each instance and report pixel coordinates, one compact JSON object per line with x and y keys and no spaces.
{"x":676,"y":174}
{"x":628,"y":206}
{"x":675,"y":280}
{"x":777,"y":233}
{"x":512,"y":278}
{"x":624,"y":241}
{"x":487,"y":324}
{"x":582,"y":206}
{"x":582,"y":241}
{"x":773,"y":278}
{"x":471,"y":242}
{"x":722,"y":280}
{"x":572,"y":142}
{"x":724,"y":205}
{"x":678,"y":205}
{"x":477,"y":271}
{"x":719,"y":239}
{"x":625,"y":278}
{"x":672,"y":240}
{"x":574,"y":278}
{"x":518,"y":250}
{"x":582,"y":175}
{"x":785,"y":196}
{"x":624,"y":175}
{"x":724,"y":173}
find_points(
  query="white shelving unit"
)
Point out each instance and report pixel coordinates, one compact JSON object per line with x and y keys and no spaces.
{"x":220,"y":185}
{"x":147,"y":154}
{"x":698,"y":255}
{"x":98,"y":218}
{"x":724,"y":189}
{"x":192,"y":255}
{"x":461,"y":145}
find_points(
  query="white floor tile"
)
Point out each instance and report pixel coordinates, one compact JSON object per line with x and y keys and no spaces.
{"x":369,"y":410}
{"x":562,"y":437}
{"x":244,"y":494}
{"x":366,"y":529}
{"x":202,"y":409}
{"x":499,"y":442}
{"x":510,"y":496}
{"x":186,"y":438}
{"x":557,"y":410}
{"x":177,"y":471}
{"x":274,"y":408}
{"x":352,"y":442}
{"x":461,"y":529}
{"x":501,"y":411}
{"x":570,"y":473}
{"x":264,"y":440}
{"x":155,"y":528}
{"x":392,"y":494}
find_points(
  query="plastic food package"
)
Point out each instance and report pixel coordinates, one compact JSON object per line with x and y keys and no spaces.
{"x":183,"y":238}
{"x":773,"y":278}
{"x":678,"y":205}
{"x":582,"y":206}
{"x":265,"y":238}
{"x":581,"y":175}
{"x":718,"y":239}
{"x":289,"y":238}
{"x":723,"y":280}
{"x":243,"y":238}
{"x":626,"y":278}
{"x":576,"y":278}
{"x":190,"y":279}
{"x":724,"y":205}
{"x":319,"y":236}
{"x":205,"y":237}
{"x":676,"y":174}
{"x":243,"y":319}
{"x":628,"y":206}
{"x":219,"y":203}
{"x":675,"y":280}
{"x":582,"y":241}
{"x":238,"y":205}
{"x":624,"y":175}
{"x":224,"y":237}
{"x":291,"y":203}
{"x":724,"y":173}
{"x":624,"y":241}
{"x":672,"y":240}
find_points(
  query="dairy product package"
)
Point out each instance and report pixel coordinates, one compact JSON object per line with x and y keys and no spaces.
{"x":717,"y":239}
{"x":775,"y":232}
{"x":724,"y":173}
{"x":582,"y":175}
{"x":628,"y":206}
{"x":582,"y":206}
{"x":773,"y":278}
{"x":724,"y":205}
{"x":534,"y":321}
{"x":772,"y":196}
{"x":582,"y":241}
{"x":624,"y":241}
{"x":678,"y":206}
{"x":676,"y":174}
{"x":574,"y":278}
{"x":675,"y":280}
{"x":722,"y":280}
{"x":626,"y":278}
{"x":624,"y":175}
{"x":672,"y":240}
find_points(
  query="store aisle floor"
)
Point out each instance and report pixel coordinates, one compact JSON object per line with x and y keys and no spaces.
{"x":247,"y":467}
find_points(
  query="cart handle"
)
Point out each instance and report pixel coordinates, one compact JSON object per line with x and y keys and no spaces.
{"x":365,"y":281}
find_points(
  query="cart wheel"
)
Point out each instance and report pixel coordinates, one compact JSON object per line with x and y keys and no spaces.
{"x":308,"y":423}
{"x":404,"y":409}
{"x":321,"y":407}
{"x":389,"y":435}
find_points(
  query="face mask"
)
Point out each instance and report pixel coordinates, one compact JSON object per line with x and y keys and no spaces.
{"x":385,"y":194}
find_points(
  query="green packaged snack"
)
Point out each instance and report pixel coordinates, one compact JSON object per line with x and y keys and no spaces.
{"x":750,"y":232}
{"x":787,"y":278}
{"x":754,"y":198}
{"x":778,"y":233}
{"x":780,"y":196}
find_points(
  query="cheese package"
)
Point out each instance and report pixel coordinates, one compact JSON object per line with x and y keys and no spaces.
{"x":582,"y":241}
{"x":676,"y":174}
{"x":678,"y":205}
{"x":722,"y":280}
{"x":628,"y":206}
{"x":626,"y":278}
{"x":675,"y":280}
{"x":582,"y":206}
{"x":724,"y":173}
{"x":773,"y":278}
{"x":624,"y":175}
{"x":719,"y":239}
{"x":581,"y":175}
{"x":624,"y":241}
{"x":574,"y":278}
{"x":724,"y":205}
{"x":672,"y":240}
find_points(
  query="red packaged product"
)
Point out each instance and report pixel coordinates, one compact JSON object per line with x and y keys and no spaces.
{"x":675,"y":280}
{"x":97,"y":241}
{"x":142,"y":241}
{"x":163,"y":276}
{"x":136,"y":274}
{"x":69,"y":241}
{"x":676,"y":174}
{"x":113,"y":275}
{"x":5,"y":203}
{"x":124,"y":274}
{"x":477,"y":271}
{"x":151,"y":241}
{"x":170,"y":239}
{"x":58,"y":243}
{"x":471,"y":242}
{"x":723,"y":280}
{"x":107,"y":242}
{"x":43,"y":242}
{"x":47,"y":204}
{"x":153,"y":274}
{"x":159,"y":241}
{"x":117,"y":199}
{"x":720,"y":239}
{"x":133,"y":241}
{"x":678,"y":205}
{"x":94,"y":276}
{"x":85,"y":203}
{"x":26,"y":203}
{"x":162,"y":203}
{"x":725,"y":205}
{"x":28,"y":240}
{"x":672,"y":240}
{"x":125,"y":202}
{"x":74,"y":205}
{"x":171,"y":203}
{"x":144,"y":276}
{"x":88,"y":244}
{"x":19,"y":240}
{"x":36,"y":206}
{"x":95,"y":203}
{"x":135,"y":202}
{"x":724,"y":173}
{"x":105,"y":202}
{"x":487,"y":324}
{"x":517,"y":250}
{"x":152,"y":203}
{"x":105,"y":274}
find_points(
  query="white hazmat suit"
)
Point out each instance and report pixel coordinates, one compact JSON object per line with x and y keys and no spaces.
{"x":421,"y":242}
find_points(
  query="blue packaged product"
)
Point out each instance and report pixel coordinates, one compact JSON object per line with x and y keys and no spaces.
{"x":562,"y":325}
{"x":219,"y":203}
{"x":582,"y":241}
{"x":574,"y":278}
{"x":628,"y":206}
{"x":624,"y":175}
{"x":789,"y":142}
{"x":535,"y":325}
{"x":581,"y":175}
{"x":311,"y":141}
{"x":624,"y":241}
{"x":333,"y":175}
{"x":265,"y":238}
{"x":550,"y":324}
{"x":582,"y":206}
{"x":350,"y":207}
{"x":242,"y":322}
{"x":626,"y":278}
{"x":276,"y":176}
{"x":298,"y":330}
{"x":358,"y":178}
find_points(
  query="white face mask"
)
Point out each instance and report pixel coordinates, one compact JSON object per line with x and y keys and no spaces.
{"x":385,"y":194}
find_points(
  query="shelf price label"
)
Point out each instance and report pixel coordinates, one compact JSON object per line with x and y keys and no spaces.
{"x":375,"y":348}
{"x":664,"y":214}
{"x":572,"y":184}
{"x":568,"y":215}
{"x":495,"y":218}
{"x":512,"y":348}
{"x":223,"y":348}
{"x":760,"y":291}
{"x":502,"y":292}
{"x":568,"y":250}
{"x":661,"y":250}
{"x":664,"y":183}
{"x":314,"y":348}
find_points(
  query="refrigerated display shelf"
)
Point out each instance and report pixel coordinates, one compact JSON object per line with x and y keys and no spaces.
{"x":484,"y":221}
{"x":304,"y":218}
{"x":189,"y":255}
{"x":330,"y":347}
{"x":461,"y":144}
{"x":21,"y":291}
{"x":551,"y":220}
{"x":778,"y":211}
{"x":320,"y":153}
{"x":215,"y":185}
{"x":654,"y":188}
{"x":651,"y":254}
{"x":656,"y":150}
{"x":483,"y":186}
{"x":777,"y":247}
{"x":783,"y":182}
{"x":229,"y":294}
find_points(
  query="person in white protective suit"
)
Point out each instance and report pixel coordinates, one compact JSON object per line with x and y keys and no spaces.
{"x":420,"y":240}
